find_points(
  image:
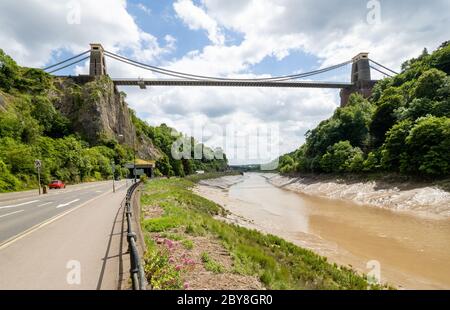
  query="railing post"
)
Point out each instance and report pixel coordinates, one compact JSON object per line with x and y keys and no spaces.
{"x":137,"y":272}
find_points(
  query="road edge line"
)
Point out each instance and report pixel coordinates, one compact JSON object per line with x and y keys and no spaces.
{"x":36,"y":227}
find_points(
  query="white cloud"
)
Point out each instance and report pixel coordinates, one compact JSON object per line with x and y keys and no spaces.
{"x":337,"y":30}
{"x":196,"y":18}
{"x":144,"y":8}
{"x":31,"y":30}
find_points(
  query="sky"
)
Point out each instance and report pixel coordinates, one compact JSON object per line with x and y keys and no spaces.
{"x":233,"y":38}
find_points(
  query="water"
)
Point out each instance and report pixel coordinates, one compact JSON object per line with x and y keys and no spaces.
{"x":412,"y":252}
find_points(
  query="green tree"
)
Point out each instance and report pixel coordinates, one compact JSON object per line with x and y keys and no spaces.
{"x":429,"y":83}
{"x":428,"y":146}
{"x":394,"y":148}
{"x":384,"y":118}
{"x":9,"y":72}
{"x":342,"y":157}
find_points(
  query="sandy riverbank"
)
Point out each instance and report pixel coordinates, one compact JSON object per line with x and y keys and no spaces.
{"x":419,"y":199}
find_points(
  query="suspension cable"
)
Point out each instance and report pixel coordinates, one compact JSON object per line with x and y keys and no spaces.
{"x":190,"y":78}
{"x":153,"y":70}
{"x":202,"y":77}
{"x":383,"y":66}
{"x":64,"y":61}
{"x":71,"y":64}
{"x":376,"y":69}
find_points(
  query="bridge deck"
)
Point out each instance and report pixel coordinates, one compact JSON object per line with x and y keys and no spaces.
{"x":179,"y":82}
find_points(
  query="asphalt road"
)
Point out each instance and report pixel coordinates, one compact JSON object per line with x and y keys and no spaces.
{"x":67,"y":239}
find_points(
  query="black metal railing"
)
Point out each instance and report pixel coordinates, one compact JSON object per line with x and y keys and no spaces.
{"x":136,"y":267}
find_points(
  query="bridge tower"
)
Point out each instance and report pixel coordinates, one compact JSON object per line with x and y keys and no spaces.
{"x":97,"y":66}
{"x":361,"y":79}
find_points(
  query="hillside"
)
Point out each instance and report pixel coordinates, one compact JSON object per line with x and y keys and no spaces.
{"x":404,"y":127}
{"x":77,"y":127}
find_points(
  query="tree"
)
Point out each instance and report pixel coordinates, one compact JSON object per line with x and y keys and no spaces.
{"x":428,"y":146}
{"x":348,"y":123}
{"x":342,"y":157}
{"x":8,"y":182}
{"x":384,"y":118}
{"x":394,"y":147}
{"x":429,"y":83}
{"x":9,"y":72}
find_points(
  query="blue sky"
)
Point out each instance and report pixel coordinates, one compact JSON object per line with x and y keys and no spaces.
{"x":160,"y":19}
{"x":226,"y":38}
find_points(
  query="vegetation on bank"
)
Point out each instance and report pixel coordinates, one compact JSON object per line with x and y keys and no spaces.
{"x":32,"y":128}
{"x":404,"y":127}
{"x":199,"y":157}
{"x":183,"y":215}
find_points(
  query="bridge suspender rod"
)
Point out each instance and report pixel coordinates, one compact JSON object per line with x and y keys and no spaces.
{"x":201,"y":77}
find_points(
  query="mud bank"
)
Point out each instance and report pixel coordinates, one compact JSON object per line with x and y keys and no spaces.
{"x":412,"y":251}
{"x":418,"y":199}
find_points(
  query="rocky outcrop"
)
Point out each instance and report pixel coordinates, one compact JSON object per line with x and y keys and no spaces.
{"x":98,"y":112}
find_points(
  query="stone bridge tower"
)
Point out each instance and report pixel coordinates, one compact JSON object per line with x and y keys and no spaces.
{"x":97,"y":66}
{"x":361,"y":79}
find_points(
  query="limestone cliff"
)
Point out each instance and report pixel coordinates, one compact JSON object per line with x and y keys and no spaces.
{"x":99,"y":112}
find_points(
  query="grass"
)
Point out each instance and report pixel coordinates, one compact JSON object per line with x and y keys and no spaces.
{"x":211,"y":265}
{"x":279,"y":264}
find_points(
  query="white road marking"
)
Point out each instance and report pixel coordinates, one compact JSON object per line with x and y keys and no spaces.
{"x":99,"y":191}
{"x":44,"y":204}
{"x":11,"y":213}
{"x":18,"y":205}
{"x":36,"y":227}
{"x":66,"y":204}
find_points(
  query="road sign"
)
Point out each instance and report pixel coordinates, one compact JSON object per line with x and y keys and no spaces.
{"x":37,"y":164}
{"x":140,"y":172}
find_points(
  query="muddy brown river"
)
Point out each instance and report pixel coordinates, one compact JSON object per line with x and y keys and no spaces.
{"x":404,"y":250}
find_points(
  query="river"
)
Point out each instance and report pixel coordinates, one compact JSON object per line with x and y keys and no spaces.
{"x":404,"y":250}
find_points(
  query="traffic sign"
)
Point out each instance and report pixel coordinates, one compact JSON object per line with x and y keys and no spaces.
{"x":37,"y":164}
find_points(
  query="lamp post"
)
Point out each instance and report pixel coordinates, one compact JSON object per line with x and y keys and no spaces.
{"x":37,"y":165}
{"x":113,"y":166}
{"x":134,"y":158}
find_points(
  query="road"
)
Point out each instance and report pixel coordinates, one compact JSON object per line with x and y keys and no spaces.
{"x":67,"y":239}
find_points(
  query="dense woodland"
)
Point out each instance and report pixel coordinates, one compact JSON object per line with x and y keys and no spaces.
{"x":404,"y":127}
{"x":32,"y":128}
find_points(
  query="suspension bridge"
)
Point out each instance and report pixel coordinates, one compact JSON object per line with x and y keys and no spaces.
{"x":360,"y":80}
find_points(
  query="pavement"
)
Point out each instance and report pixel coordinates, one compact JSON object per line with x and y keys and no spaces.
{"x":67,"y":239}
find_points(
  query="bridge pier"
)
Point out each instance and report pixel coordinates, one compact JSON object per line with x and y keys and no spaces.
{"x":360,"y":78}
{"x":97,"y":65}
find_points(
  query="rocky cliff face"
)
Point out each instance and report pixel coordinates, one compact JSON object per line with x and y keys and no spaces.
{"x":99,"y":112}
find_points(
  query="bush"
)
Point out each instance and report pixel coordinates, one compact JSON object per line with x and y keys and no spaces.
{"x":429,"y":83}
{"x":394,"y":148}
{"x":342,"y":157}
{"x":428,"y":146}
{"x":143,"y":178}
{"x":8,"y":182}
